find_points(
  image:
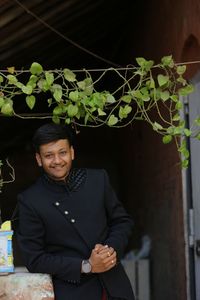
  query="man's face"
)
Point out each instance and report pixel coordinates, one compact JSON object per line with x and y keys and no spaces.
{"x":56,"y":158}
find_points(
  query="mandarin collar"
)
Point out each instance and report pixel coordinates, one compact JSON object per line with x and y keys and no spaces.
{"x":73,"y":182}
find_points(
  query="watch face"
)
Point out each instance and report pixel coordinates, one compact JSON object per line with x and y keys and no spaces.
{"x":86,"y":266}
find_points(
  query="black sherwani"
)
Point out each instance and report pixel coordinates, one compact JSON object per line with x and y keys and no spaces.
{"x":59,"y":225}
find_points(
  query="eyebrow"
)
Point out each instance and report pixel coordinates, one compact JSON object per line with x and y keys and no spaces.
{"x":50,"y":152}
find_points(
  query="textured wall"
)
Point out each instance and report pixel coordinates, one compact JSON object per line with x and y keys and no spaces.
{"x":164,"y":27}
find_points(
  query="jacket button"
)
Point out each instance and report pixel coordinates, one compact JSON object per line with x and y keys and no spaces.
{"x":66,"y":212}
{"x":72,"y":221}
{"x":57,"y":203}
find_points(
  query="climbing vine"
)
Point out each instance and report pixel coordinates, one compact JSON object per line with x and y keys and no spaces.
{"x":11,"y":174}
{"x":147,"y":92}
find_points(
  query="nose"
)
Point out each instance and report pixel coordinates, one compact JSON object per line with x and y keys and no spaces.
{"x":57,"y":159}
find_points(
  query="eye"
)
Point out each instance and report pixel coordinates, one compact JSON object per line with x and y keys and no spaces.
{"x":48,"y":156}
{"x":63,"y":152}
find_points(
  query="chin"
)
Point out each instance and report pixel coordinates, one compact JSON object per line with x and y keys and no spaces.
{"x":59,"y":177}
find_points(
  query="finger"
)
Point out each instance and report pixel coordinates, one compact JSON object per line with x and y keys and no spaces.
{"x":111,"y":259}
{"x":106,"y":250}
{"x":111,"y":250}
{"x":110,"y":264}
{"x":98,"y":247}
{"x":106,"y":247}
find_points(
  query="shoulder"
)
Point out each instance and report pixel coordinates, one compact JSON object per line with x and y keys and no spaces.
{"x":96,"y":172}
{"x":33,"y":189}
{"x":96,"y":176}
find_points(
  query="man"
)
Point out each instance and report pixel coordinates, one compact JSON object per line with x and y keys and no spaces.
{"x":71,"y":224}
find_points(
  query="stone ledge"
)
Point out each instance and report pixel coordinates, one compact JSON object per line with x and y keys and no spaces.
{"x":23,"y":285}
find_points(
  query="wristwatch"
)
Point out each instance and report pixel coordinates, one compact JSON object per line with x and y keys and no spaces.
{"x":86,"y":266}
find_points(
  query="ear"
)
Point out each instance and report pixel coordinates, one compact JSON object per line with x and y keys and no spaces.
{"x":72,"y":152}
{"x":38,"y":158}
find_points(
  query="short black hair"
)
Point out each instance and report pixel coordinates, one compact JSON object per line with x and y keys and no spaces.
{"x":51,"y":132}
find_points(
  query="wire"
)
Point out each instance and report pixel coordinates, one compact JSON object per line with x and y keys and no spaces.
{"x":77,"y":71}
{"x":104,"y":69}
{"x":65,"y":37}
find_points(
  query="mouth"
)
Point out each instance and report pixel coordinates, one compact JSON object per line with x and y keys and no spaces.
{"x":57,"y":167}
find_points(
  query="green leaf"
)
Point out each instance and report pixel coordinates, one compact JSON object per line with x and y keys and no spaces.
{"x":121,"y":113}
{"x":69,"y":75}
{"x":97,"y":100}
{"x":177,"y":130}
{"x":187,"y":132}
{"x":101,"y":112}
{"x":86,"y":85}
{"x":183,"y":145}
{"x":36,"y":68}
{"x":27,"y":89}
{"x":179,"y":105}
{"x":124,"y":111}
{"x":182,"y":123}
{"x":186,"y":90}
{"x":145,"y":64}
{"x":110,"y":98}
{"x":67,"y":121}
{"x":185,"y":163}
{"x":162,"y":79}
{"x":2,"y":101}
{"x":30,"y":101}
{"x":137,"y":94}
{"x":43,"y":85}
{"x":49,"y":78}
{"x":152,"y":83}
{"x":170,"y":130}
{"x":86,"y":118}
{"x":140,"y":61}
{"x":167,"y":139}
{"x":126,"y":98}
{"x":58,"y":110}
{"x":157,"y":126}
{"x":185,"y":153}
{"x":81,"y":84}
{"x":149,"y":65}
{"x":164,"y":95}
{"x":12,"y":79}
{"x":174,"y":98}
{"x":72,"y":110}
{"x":127,"y":109}
{"x":74,"y":96}
{"x":145,"y":94}
{"x":197,"y":121}
{"x":146,"y":98}
{"x":7,"y":108}
{"x":57,"y":92}
{"x":49,"y":101}
{"x":176,"y":117}
{"x":181,"y":69}
{"x":56,"y":119}
{"x":11,"y":70}
{"x":167,"y":61}
{"x":33,"y":79}
{"x":112,"y":120}
{"x":19,"y":85}
{"x":1,"y":79}
{"x":181,"y":80}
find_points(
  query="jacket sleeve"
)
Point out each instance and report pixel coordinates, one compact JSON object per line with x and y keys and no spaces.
{"x":119,"y":222}
{"x":31,"y":240}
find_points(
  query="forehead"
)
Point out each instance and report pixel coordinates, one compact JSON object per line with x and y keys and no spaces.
{"x":55,"y":146}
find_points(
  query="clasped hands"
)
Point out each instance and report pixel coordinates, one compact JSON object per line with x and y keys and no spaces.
{"x":102,"y":258}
